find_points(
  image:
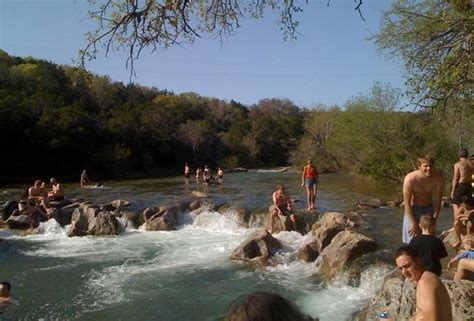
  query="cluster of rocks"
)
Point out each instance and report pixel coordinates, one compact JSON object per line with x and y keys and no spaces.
{"x":334,"y":245}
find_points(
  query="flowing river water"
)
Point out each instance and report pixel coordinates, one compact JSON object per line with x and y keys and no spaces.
{"x":186,"y":274}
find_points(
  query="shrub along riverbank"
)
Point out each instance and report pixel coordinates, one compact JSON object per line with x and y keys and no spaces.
{"x":57,"y":120}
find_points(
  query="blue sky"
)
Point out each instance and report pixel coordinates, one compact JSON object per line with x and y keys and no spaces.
{"x":330,"y":62}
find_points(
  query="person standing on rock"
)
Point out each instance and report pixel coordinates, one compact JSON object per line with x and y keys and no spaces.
{"x":422,"y":194}
{"x":462,"y":180}
{"x":309,"y":180}
{"x":432,"y":298}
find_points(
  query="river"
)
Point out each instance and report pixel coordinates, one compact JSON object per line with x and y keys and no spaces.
{"x":186,"y":274}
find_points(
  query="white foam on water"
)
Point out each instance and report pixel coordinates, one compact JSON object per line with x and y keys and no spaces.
{"x":216,"y":222}
{"x":339,"y":301}
{"x":51,"y":228}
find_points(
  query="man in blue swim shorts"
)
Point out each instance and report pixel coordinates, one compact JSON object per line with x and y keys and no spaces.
{"x":422,"y":194}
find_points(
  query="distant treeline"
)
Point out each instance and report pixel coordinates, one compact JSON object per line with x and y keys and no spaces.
{"x":58,"y":120}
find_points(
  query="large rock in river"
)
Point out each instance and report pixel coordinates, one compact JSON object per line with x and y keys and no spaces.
{"x":330,"y":224}
{"x":344,"y":248}
{"x":398,"y":296}
{"x":163,"y":218}
{"x":256,"y":249}
{"x":104,"y":224}
{"x":21,"y":222}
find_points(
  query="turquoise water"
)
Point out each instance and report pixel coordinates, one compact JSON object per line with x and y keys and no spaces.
{"x":186,"y":274}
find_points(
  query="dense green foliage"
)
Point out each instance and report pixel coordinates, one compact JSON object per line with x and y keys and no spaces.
{"x":57,"y":120}
{"x":435,"y":39}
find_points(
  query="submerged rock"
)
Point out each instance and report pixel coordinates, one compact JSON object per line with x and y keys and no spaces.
{"x":256,"y":249}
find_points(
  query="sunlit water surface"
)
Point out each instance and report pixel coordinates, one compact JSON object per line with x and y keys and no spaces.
{"x":186,"y":274}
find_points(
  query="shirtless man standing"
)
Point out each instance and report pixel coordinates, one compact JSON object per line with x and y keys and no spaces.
{"x":422,"y":194}
{"x":282,"y":204}
{"x":432,"y":299}
{"x":462,"y":179}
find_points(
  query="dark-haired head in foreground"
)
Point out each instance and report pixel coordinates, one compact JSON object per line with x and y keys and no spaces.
{"x":264,"y":306}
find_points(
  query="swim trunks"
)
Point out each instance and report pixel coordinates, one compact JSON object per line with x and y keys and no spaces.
{"x":285,"y":211}
{"x":418,"y":211}
{"x":462,"y":189}
{"x":310,"y":182}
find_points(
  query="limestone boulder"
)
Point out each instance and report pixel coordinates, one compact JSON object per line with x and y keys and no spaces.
{"x":194,"y":205}
{"x":308,"y":252}
{"x":132,"y":218}
{"x":80,"y":219}
{"x":64,"y":215}
{"x":60,"y":204}
{"x":398,"y":296}
{"x":199,"y":194}
{"x":343,"y":249}
{"x":165,"y":219}
{"x":257,"y":249}
{"x":117,"y":204}
{"x":330,"y":224}
{"x":105,"y":223}
{"x":21,"y":222}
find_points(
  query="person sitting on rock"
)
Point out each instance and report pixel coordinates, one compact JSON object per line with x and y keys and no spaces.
{"x":37,"y":193}
{"x":57,"y":191}
{"x":28,"y":206}
{"x":466,"y":260}
{"x":428,"y":247}
{"x":432,"y":298}
{"x":5,"y":293}
{"x":464,"y":219}
{"x":264,"y":306}
{"x":283,"y":206}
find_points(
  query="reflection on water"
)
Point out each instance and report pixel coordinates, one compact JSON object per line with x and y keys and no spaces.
{"x":186,"y":274}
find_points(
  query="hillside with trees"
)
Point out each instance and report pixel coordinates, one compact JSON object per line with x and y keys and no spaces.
{"x":57,"y":120}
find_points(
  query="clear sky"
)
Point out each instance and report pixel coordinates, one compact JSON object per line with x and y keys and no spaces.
{"x":329,"y":63}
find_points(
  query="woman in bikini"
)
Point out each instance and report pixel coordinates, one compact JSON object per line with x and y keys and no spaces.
{"x":309,"y":179}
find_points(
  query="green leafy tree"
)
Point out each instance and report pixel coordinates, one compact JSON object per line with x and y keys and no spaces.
{"x":435,"y":39}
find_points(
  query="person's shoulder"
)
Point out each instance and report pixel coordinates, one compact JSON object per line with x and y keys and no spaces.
{"x":428,"y":279}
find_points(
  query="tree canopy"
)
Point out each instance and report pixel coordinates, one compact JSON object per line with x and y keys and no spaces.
{"x":435,"y":39}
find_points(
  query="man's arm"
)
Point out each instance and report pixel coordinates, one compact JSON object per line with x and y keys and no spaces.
{"x":302,"y":176}
{"x":455,"y":181}
{"x":438,"y":197}
{"x":426,"y":307}
{"x":275,"y":202}
{"x":407,"y":196}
